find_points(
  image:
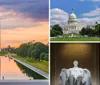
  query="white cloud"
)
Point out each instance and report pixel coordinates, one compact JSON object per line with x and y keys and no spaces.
{"x":91,"y":17}
{"x":58,"y":16}
{"x":95,"y":12}
{"x":89,"y":20}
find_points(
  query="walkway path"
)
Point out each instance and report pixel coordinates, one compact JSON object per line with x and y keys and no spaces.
{"x":44,"y":74}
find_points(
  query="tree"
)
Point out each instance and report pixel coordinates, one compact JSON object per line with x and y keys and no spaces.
{"x":22,"y":50}
{"x":83,"y":31}
{"x":34,"y":54}
{"x":97,"y":30}
{"x":91,"y":32}
{"x":32,"y":50}
{"x":52,"y":33}
{"x":44,"y":56}
{"x":87,"y":31}
{"x":36,"y":49}
{"x":56,"y":30}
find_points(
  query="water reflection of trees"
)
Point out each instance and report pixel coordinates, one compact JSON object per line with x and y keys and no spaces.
{"x":29,"y":72}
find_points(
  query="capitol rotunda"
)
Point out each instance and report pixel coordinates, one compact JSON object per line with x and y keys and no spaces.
{"x":72,"y":26}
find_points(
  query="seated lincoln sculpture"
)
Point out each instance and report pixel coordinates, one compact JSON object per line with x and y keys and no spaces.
{"x":75,"y":76}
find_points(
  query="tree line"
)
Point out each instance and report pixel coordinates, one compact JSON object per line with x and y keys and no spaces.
{"x":91,"y":32}
{"x":38,"y":51}
{"x":56,"y":30}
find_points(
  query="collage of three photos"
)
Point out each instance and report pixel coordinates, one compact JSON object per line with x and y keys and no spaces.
{"x":50,"y":42}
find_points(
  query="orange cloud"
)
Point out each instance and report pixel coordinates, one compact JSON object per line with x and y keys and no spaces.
{"x":15,"y":37}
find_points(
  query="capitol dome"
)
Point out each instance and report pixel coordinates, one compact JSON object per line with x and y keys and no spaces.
{"x":72,"y":18}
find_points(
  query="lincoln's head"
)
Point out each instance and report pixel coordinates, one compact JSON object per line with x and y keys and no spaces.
{"x":75,"y":63}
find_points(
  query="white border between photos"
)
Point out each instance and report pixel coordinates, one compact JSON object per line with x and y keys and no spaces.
{"x":49,"y":79}
{"x":75,"y":41}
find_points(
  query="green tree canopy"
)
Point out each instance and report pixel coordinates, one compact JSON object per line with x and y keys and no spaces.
{"x":36,"y":49}
{"x":56,"y":30}
{"x":97,"y":30}
{"x":87,"y":31}
{"x":32,"y":50}
{"x":22,"y":50}
{"x":91,"y":32}
{"x":44,"y":56}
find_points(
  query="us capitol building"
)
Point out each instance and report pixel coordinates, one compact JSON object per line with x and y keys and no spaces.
{"x":73,"y":26}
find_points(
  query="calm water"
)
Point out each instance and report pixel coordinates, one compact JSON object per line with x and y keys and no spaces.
{"x":12,"y":70}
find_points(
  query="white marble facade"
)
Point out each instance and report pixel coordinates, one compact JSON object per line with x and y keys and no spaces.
{"x":73,"y":26}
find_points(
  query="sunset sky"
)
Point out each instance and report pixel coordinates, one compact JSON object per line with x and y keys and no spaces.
{"x":23,"y":21}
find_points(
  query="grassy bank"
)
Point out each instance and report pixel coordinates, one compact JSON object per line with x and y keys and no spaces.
{"x":75,"y":39}
{"x":42,"y":65}
{"x":3,"y":53}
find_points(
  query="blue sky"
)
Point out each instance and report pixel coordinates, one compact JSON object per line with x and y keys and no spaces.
{"x":80,"y":7}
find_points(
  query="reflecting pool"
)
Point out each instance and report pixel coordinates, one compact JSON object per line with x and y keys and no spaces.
{"x":12,"y":70}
